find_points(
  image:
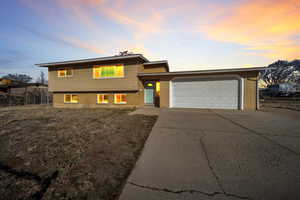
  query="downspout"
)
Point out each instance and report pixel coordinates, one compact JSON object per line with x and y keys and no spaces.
{"x":242,"y":93}
{"x":257,"y":95}
{"x":170,"y":94}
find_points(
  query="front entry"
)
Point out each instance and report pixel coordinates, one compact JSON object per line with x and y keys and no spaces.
{"x":149,"y":92}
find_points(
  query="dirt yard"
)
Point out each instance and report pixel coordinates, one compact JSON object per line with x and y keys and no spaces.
{"x":48,"y":153}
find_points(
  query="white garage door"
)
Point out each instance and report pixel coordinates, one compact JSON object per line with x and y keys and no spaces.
{"x":205,"y":93}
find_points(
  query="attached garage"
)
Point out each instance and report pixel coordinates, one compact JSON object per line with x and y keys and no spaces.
{"x":233,"y":89}
{"x":212,"y":93}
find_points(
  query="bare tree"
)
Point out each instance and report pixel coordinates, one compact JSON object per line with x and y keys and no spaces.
{"x":281,"y":72}
{"x":41,"y":79}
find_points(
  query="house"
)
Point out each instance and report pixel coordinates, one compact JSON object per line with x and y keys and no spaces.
{"x":6,"y":83}
{"x":18,"y":93}
{"x":133,"y":80}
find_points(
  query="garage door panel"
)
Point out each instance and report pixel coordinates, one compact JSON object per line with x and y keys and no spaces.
{"x":222,"y":94}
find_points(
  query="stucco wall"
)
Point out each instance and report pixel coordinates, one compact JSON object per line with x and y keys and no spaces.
{"x":136,"y":98}
{"x":89,"y":100}
{"x":82,"y":80}
{"x":164,"y":94}
{"x":250,"y":93}
{"x":154,"y":68}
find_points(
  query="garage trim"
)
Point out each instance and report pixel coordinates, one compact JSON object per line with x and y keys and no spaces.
{"x":239,"y":78}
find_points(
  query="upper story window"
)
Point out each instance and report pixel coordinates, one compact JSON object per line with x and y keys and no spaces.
{"x":66,"y":72}
{"x":110,"y":71}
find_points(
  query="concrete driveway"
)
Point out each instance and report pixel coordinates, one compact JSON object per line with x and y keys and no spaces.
{"x":209,"y":154}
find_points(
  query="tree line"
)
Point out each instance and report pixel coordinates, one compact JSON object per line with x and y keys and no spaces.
{"x":24,"y":78}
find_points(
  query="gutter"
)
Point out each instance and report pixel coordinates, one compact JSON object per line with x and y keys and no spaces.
{"x":203,"y":71}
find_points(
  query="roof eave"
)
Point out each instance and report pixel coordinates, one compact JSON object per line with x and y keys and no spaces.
{"x":203,"y":71}
{"x":91,"y":60}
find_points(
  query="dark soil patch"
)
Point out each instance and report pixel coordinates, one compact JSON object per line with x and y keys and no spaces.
{"x":68,"y":153}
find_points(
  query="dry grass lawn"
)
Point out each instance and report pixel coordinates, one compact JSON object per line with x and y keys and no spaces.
{"x":48,"y":153}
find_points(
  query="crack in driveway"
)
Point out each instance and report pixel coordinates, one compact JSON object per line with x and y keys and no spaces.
{"x":258,"y":134}
{"x":209,"y":165}
{"x":216,"y":176}
{"x":210,"y":194}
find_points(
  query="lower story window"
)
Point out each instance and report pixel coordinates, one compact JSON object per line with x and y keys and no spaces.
{"x":120,"y":98}
{"x":102,"y":98}
{"x":71,"y":98}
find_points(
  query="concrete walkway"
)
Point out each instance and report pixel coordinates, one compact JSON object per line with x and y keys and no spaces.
{"x":204,"y":154}
{"x":150,"y":111}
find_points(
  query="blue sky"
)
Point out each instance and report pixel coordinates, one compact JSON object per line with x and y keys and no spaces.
{"x":190,"y":34}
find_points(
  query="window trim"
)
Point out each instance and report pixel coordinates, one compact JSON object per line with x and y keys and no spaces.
{"x":65,"y":69}
{"x":97,"y":100}
{"x":120,"y":102}
{"x":157,"y":88}
{"x":71,"y":99}
{"x":112,"y":77}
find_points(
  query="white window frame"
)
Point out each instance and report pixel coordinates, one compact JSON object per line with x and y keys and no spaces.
{"x":112,"y":77}
{"x":71,"y":99}
{"x":65,"y":69}
{"x":97,"y":96}
{"x":120,"y":102}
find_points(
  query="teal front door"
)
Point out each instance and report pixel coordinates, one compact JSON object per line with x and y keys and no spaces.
{"x":149,"y":94}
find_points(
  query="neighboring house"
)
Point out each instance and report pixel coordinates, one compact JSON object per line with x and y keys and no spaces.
{"x":133,"y":80}
{"x":29,"y":87}
{"x":5,"y":84}
{"x":5,"y":81}
{"x":34,"y":93}
{"x":19,"y":88}
{"x":18,"y":93}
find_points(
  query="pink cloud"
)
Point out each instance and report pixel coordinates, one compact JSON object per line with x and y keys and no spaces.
{"x":119,"y":11}
{"x":266,"y":26}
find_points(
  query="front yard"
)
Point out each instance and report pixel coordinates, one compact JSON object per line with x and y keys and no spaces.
{"x":48,"y":153}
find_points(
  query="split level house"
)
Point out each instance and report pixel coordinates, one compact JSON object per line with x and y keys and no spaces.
{"x":133,"y":80}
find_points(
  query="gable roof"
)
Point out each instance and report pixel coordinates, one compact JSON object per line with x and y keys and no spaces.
{"x":109,"y":58}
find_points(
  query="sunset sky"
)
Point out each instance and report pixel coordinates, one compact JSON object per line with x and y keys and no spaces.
{"x":190,"y":34}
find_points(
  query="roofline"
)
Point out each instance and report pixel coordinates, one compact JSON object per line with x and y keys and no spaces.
{"x":158,"y":62}
{"x":203,"y":71}
{"x":93,"y":60}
